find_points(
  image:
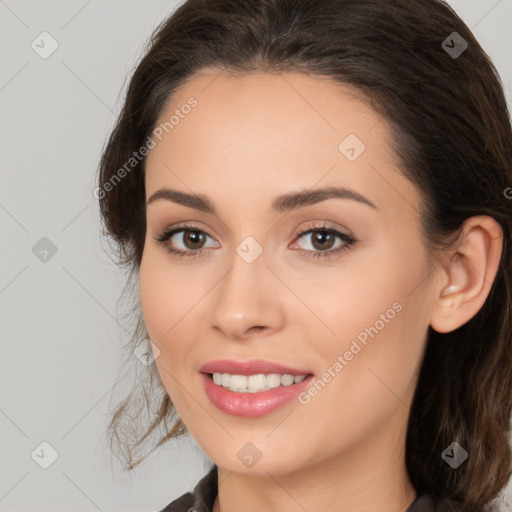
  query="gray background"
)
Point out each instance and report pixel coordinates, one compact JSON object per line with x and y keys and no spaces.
{"x":61,"y":341}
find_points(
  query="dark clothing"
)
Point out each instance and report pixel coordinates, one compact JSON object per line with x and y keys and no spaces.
{"x":205,"y":492}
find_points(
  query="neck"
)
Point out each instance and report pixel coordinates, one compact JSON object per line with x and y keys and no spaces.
{"x":371,"y":475}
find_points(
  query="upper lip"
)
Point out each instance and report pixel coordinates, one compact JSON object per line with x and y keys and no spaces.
{"x":251,"y":367}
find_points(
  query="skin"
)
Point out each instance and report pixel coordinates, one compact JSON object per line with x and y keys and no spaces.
{"x":248,"y":140}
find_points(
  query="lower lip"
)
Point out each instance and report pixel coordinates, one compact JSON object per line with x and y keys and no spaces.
{"x":252,"y":404}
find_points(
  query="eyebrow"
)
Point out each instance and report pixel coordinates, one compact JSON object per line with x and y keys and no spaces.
{"x":280,"y":204}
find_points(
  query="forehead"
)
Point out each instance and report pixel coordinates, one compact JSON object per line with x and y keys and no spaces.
{"x":287,"y":105}
{"x":257,"y":133}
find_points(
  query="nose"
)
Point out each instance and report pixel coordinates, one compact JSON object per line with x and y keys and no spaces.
{"x":247,"y":300}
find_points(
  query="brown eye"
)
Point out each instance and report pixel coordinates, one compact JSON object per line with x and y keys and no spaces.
{"x":193,"y":239}
{"x":323,"y":240}
{"x":185,"y":241}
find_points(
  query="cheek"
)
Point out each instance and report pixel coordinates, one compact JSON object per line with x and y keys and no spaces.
{"x":165,"y":294}
{"x":373,"y":309}
{"x":367,"y":369}
{"x":165,"y":300}
{"x":364,"y":289}
{"x":171,"y":302}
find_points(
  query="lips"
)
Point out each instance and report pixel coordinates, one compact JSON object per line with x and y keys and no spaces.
{"x":252,"y":405}
{"x":251,"y":367}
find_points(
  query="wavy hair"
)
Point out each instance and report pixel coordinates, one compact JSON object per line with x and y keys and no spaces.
{"x":452,"y":136}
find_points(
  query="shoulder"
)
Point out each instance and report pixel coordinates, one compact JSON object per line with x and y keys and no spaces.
{"x":425,"y":503}
{"x":181,"y":504}
{"x":201,"y":499}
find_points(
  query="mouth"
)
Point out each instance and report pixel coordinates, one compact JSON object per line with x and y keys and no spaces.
{"x":253,"y":395}
{"x":255,"y":383}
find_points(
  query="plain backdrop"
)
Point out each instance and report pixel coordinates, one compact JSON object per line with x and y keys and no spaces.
{"x":60,"y":337}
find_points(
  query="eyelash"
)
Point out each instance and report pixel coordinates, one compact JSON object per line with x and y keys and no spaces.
{"x":348,"y":239}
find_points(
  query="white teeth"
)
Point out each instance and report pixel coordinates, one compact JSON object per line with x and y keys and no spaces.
{"x":255,"y":383}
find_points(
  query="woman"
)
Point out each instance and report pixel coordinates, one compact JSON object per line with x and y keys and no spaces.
{"x":313,"y":199}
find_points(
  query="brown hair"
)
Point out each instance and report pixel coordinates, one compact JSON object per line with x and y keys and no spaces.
{"x":452,"y":136}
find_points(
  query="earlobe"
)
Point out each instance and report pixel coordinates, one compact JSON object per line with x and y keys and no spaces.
{"x":472,"y":265}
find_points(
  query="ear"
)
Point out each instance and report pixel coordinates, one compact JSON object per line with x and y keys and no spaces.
{"x":467,"y":273}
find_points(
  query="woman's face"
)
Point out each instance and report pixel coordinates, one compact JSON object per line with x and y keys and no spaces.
{"x":351,"y":309}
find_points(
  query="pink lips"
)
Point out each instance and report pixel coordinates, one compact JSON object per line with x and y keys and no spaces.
{"x":251,"y":404}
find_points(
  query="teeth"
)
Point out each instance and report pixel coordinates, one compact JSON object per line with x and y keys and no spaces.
{"x":255,"y":383}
